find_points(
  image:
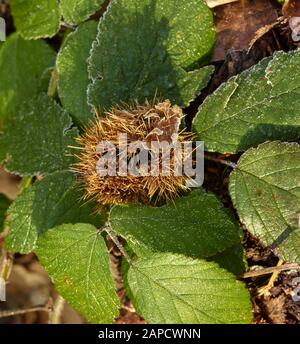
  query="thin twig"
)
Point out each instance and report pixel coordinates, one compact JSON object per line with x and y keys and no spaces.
{"x":116,"y":241}
{"x":6,"y":314}
{"x":266,"y":271}
{"x":53,"y":83}
{"x":6,"y":264}
{"x":129,"y":309}
{"x":220,"y":161}
{"x":56,"y":312}
{"x":215,"y":3}
{"x":265,"y":290}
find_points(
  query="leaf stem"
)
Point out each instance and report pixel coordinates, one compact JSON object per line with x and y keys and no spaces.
{"x":26,"y":182}
{"x":53,"y":83}
{"x":6,"y":263}
{"x":107,"y":228}
{"x":56,"y":312}
{"x":5,"y":314}
{"x":271,"y":270}
{"x":220,"y":161}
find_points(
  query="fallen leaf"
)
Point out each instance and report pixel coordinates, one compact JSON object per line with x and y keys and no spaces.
{"x":275,"y":308}
{"x":291,"y":8}
{"x":237,"y":24}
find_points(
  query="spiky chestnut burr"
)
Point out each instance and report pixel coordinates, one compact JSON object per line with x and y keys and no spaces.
{"x":147,"y":123}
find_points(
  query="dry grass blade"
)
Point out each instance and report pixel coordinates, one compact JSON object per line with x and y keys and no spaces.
{"x":215,"y":3}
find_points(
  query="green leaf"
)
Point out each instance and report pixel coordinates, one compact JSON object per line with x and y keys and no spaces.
{"x":261,"y":104}
{"x":36,"y":18}
{"x":233,"y":259}
{"x":51,"y":202}
{"x":37,"y":138}
{"x":4,"y":204}
{"x":76,"y":258}
{"x":196,"y":225}
{"x":77,"y":11}
{"x":173,"y":289}
{"x":143,"y":48}
{"x":191,"y":34}
{"x":23,"y":65}
{"x":72,"y":71}
{"x":265,"y":190}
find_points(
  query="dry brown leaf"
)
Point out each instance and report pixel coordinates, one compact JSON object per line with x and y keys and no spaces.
{"x":238,"y":23}
{"x":275,"y":308}
{"x":260,"y":33}
{"x":291,"y":8}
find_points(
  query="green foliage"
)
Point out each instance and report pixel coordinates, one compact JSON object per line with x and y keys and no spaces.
{"x":169,"y":288}
{"x":36,"y":18}
{"x":196,"y":225}
{"x":36,"y":139}
{"x":4,"y":204}
{"x":232,"y":259}
{"x":137,"y":55}
{"x":32,"y":214}
{"x":76,"y":258}
{"x":76,"y":11}
{"x":41,"y":18}
{"x":265,"y":190}
{"x":260,"y":104}
{"x":23,"y":71}
{"x":72,"y":70}
{"x":186,"y":254}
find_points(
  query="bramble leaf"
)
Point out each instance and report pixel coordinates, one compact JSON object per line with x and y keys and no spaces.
{"x":265,"y":190}
{"x":173,"y":289}
{"x":51,"y":202}
{"x":260,"y":104}
{"x":232,"y":259}
{"x":72,"y":70}
{"x":36,"y":18}
{"x":36,"y":139}
{"x":23,"y":69}
{"x":76,"y":258}
{"x":196,"y":225}
{"x":143,"y":48}
{"x":77,"y":11}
